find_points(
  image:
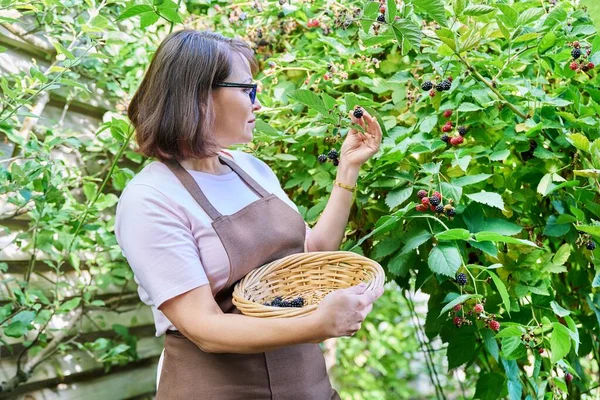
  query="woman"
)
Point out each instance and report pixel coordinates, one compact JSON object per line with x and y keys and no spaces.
{"x":196,"y":221}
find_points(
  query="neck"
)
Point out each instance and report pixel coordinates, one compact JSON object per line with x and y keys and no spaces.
{"x":210,"y":165}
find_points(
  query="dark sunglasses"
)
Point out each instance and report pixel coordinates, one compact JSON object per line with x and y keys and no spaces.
{"x":252,"y":86}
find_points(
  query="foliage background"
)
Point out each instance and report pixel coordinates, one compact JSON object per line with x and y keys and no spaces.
{"x":523,"y":210}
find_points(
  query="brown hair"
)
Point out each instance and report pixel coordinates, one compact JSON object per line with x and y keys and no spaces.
{"x":172,"y":110}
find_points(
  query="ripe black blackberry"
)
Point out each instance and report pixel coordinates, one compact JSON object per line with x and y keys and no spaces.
{"x":276,"y":302}
{"x":445,"y":138}
{"x":322,"y":158}
{"x":451,"y":212}
{"x":443,"y":85}
{"x":381,"y":18}
{"x":335,"y":162}
{"x":358,"y":112}
{"x":333,"y":154}
{"x":439,"y":209}
{"x":576,"y":53}
{"x":461,"y":279}
{"x":462,"y":130}
{"x":421,"y":194}
{"x":434,"y":201}
{"x":590,"y":245}
{"x":427,"y":85}
{"x":297,"y":302}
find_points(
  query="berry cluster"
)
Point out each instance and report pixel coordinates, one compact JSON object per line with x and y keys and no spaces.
{"x":443,"y":86}
{"x":279,"y":302}
{"x":579,"y":63}
{"x":434,"y":203}
{"x":587,"y":242}
{"x":332,"y":155}
{"x":454,"y":140}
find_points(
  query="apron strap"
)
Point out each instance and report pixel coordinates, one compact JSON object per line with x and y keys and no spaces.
{"x":259,"y":190}
{"x":192,"y":186}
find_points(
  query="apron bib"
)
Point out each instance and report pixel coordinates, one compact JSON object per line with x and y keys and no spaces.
{"x":261,"y":232}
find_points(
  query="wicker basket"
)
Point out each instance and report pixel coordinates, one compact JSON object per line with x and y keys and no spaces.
{"x":309,"y":275}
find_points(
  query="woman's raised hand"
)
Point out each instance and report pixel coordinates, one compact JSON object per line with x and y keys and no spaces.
{"x":358,"y":146}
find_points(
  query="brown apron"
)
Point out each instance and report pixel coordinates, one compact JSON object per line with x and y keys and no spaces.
{"x":263,"y":231}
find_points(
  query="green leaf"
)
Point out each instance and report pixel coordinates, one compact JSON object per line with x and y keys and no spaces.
{"x":515,"y":387}
{"x":444,"y":260}
{"x":496,"y":237}
{"x":454,"y":234}
{"x":428,"y":123}
{"x":596,"y":281}
{"x":133,"y":11}
{"x":406,"y":29}
{"x":70,"y":304}
{"x":461,"y":347}
{"x":560,"y":342}
{"x":478,"y":9}
{"x":415,"y":240}
{"x":470,"y":179}
{"x":547,"y":42}
{"x":149,"y":18}
{"x":579,"y":141}
{"x":459,"y":300}
{"x":488,"y":386}
{"x":592,"y":230}
{"x":397,"y":197}
{"x":401,"y":263}
{"x":16,"y":329}
{"x":501,"y":289}
{"x":558,"y":310}
{"x":435,"y":8}
{"x":562,"y":254}
{"x":501,"y":226}
{"x":468,"y":107}
{"x":488,"y":198}
{"x":574,"y":332}
{"x":490,"y":343}
{"x":500,"y":155}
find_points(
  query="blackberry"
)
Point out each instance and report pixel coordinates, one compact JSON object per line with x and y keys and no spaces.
{"x":336,"y":162}
{"x":421,"y":194}
{"x":443,"y":85}
{"x":590,"y":245}
{"x":445,"y":138}
{"x":276,"y":302}
{"x":333,"y":154}
{"x":434,"y":201}
{"x":461,"y":279}
{"x":439,"y":209}
{"x":451,"y":212}
{"x":568,"y":376}
{"x":576,"y":53}
{"x":358,"y":113}
{"x":297,"y":302}
{"x":427,"y":85}
{"x":381,"y":18}
{"x":322,"y":158}
{"x":462,"y":130}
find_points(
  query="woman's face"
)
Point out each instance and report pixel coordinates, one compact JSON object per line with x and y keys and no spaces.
{"x":233,"y":108}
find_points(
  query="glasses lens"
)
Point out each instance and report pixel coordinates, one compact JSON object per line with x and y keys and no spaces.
{"x":253,"y":94}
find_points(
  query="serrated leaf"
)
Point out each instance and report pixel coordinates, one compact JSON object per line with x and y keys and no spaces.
{"x":545,"y":185}
{"x":501,"y":289}
{"x":560,"y":342}
{"x":478,"y":9}
{"x":496,"y":237}
{"x":400,"y":264}
{"x":488,"y":198}
{"x":133,"y":11}
{"x":444,"y":260}
{"x":416,"y":240}
{"x":408,"y":30}
{"x":468,"y":107}
{"x":574,"y":332}
{"x":562,"y":254}
{"x":592,"y":230}
{"x":490,"y":343}
{"x":454,"y":234}
{"x":558,"y":310}
{"x":470,"y":179}
{"x":579,"y":141}
{"x":435,"y":8}
{"x":397,"y":197}
{"x":456,"y":301}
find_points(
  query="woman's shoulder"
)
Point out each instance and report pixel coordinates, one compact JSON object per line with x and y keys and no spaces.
{"x":250,"y":163}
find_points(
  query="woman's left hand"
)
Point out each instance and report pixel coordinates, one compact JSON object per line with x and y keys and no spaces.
{"x":358,"y":147}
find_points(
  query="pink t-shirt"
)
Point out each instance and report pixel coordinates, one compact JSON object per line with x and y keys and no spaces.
{"x":166,"y":236}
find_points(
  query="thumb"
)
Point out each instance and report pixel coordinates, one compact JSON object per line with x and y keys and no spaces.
{"x":358,"y":289}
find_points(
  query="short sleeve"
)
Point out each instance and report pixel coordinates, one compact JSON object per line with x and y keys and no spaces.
{"x":158,"y":244}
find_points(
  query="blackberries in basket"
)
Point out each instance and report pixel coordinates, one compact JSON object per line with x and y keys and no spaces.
{"x":427,"y":85}
{"x":279,"y":302}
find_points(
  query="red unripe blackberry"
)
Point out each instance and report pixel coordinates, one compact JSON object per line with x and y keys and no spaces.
{"x":457,"y":321}
{"x":494,"y":325}
{"x":450,"y":79}
{"x":541,"y":350}
{"x":574,"y":66}
{"x":568,"y":377}
{"x":576,"y":44}
{"x":458,"y":307}
{"x":447,"y":113}
{"x":432,"y":93}
{"x":591,"y":65}
{"x":446,"y":128}
{"x":421,"y":207}
{"x":421,"y":194}
{"x":327,"y":76}
{"x":478,"y":308}
{"x":437,"y":194}
{"x":425,"y":201}
{"x":382,"y":9}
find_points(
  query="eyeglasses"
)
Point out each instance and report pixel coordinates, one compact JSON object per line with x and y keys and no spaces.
{"x":252,"y":86}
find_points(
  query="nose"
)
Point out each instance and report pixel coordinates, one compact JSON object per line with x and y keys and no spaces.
{"x":256,"y":105}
